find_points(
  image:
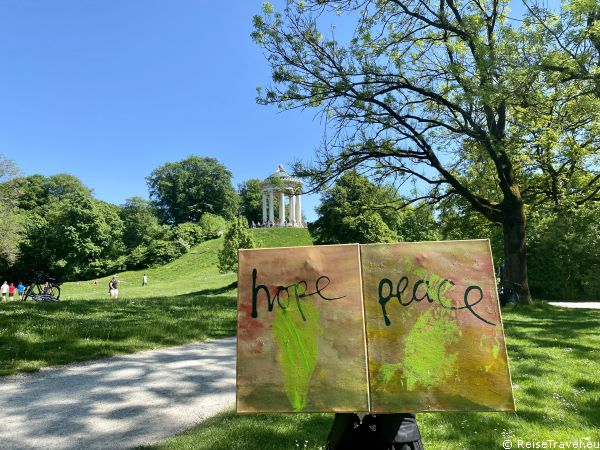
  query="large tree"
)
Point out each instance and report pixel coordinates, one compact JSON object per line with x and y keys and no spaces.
{"x":250,"y":193}
{"x":140,"y":224}
{"x":184,"y":190}
{"x":38,"y":190}
{"x":10,"y":221}
{"x":67,"y":232}
{"x":357,"y":210}
{"x":440,"y":93}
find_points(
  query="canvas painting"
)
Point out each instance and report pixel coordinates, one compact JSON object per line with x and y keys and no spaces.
{"x":301,"y":338}
{"x":434,"y":330}
{"x":382,"y":328}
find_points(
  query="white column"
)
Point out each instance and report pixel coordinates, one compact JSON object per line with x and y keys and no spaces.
{"x":264,"y":200}
{"x":271,"y":213}
{"x":281,"y":208}
{"x":299,"y":209}
{"x":292,"y":209}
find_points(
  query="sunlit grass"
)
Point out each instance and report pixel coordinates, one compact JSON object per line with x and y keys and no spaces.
{"x":37,"y":335}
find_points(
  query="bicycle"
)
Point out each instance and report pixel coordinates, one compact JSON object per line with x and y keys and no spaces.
{"x":43,"y":289}
{"x":509,"y":297}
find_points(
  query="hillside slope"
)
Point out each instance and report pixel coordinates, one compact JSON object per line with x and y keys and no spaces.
{"x":193,"y":272}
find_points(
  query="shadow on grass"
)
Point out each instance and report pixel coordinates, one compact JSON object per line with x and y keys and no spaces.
{"x":220,"y":290}
{"x":229,"y":431}
{"x":37,"y":335}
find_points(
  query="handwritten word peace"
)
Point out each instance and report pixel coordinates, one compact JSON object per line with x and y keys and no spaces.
{"x":430,"y":290}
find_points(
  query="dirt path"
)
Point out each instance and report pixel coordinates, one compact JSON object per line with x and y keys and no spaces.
{"x":118,"y":402}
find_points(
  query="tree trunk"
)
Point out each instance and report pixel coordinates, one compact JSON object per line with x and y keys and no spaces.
{"x":515,"y":257}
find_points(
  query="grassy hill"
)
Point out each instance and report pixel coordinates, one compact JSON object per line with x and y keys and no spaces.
{"x":193,"y":272}
{"x":186,"y":300}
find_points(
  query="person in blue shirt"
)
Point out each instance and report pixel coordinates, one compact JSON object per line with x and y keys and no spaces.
{"x":20,"y":290}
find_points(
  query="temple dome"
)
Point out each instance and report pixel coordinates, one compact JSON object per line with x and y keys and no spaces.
{"x":280,"y":178}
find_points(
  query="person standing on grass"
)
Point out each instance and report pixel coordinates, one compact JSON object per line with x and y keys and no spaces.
{"x":4,"y":290}
{"x":11,"y":291}
{"x":113,"y":288}
{"x":145,"y":280}
{"x":20,"y":290}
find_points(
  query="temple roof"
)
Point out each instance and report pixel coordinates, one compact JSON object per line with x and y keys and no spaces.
{"x":280,"y":178}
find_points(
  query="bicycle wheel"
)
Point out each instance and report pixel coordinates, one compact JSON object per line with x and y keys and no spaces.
{"x":512,"y":299}
{"x":32,"y":292}
{"x":54,"y":293}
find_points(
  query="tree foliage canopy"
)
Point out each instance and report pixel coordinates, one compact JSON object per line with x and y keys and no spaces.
{"x":10,"y":220}
{"x":74,"y":236}
{"x":356,"y":210}
{"x":250,"y":193}
{"x":184,"y":190}
{"x":139,"y":221}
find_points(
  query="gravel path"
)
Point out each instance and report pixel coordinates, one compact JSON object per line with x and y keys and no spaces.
{"x":118,"y":402}
{"x":584,"y":305}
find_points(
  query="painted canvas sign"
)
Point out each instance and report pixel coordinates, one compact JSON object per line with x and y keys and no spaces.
{"x":434,"y":329}
{"x":301,"y":340}
{"x":380,"y":328}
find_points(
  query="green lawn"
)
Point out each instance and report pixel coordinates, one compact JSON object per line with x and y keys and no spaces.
{"x":186,"y":300}
{"x":555,"y":363}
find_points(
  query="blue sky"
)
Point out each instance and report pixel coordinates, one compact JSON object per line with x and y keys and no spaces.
{"x":110,"y":90}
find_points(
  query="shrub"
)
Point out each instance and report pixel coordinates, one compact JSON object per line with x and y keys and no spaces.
{"x":190,"y":233}
{"x":214,"y":226}
{"x":237,"y":236}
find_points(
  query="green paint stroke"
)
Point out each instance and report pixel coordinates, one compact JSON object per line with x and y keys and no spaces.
{"x":496,"y":347}
{"x":296,"y":330}
{"x":387,"y":372}
{"x":428,"y":362}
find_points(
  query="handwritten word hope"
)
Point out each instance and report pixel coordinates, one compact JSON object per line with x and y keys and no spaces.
{"x":434,"y":290}
{"x":283,"y":294}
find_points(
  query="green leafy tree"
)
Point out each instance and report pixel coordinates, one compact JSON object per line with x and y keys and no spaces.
{"x":140,"y":224}
{"x":71,"y":234}
{"x":459,"y":221}
{"x":441,"y":94}
{"x":346,"y":213}
{"x":189,"y":234}
{"x":160,"y":251}
{"x":250,"y":193}
{"x":237,"y":236}
{"x":183,"y":191}
{"x":10,"y":219}
{"x":569,"y":50}
{"x":418,"y":224}
{"x":356,"y":210}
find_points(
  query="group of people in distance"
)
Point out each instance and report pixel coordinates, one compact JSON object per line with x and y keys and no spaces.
{"x":271,"y":224}
{"x":10,"y":290}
